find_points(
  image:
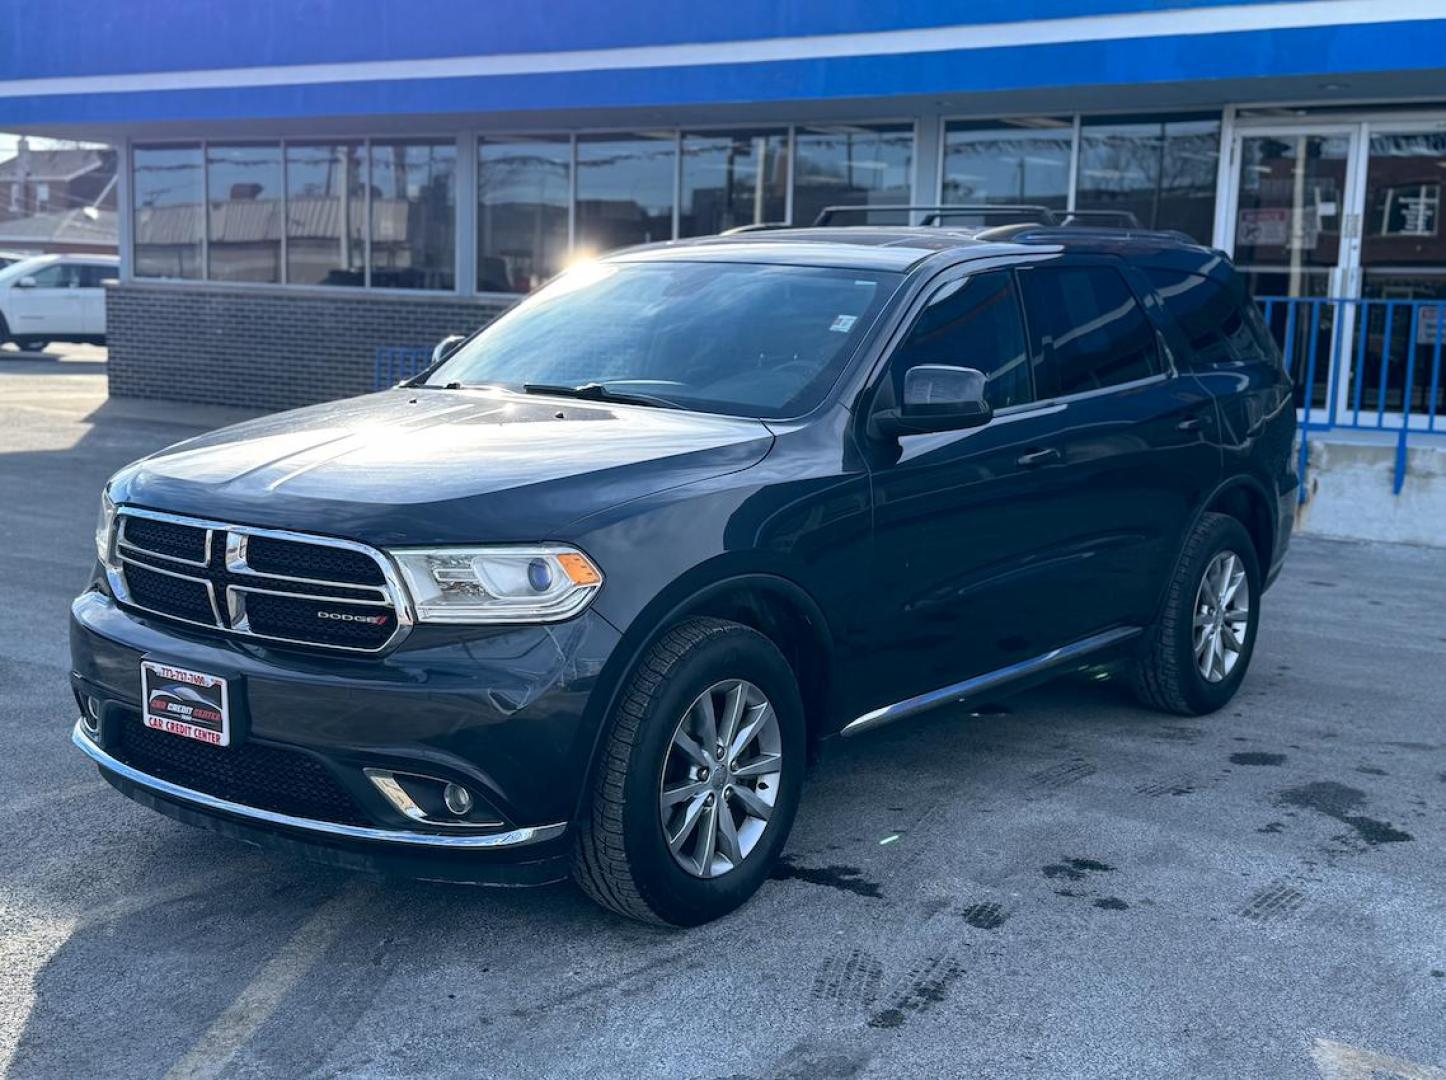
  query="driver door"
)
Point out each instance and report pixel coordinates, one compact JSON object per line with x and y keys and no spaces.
{"x":48,"y":307}
{"x":968,"y":527}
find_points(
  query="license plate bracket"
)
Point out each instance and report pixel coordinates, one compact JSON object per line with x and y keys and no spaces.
{"x":191,"y":704}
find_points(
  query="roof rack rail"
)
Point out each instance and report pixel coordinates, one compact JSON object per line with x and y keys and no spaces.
{"x":934,"y":215}
{"x":1064,"y":232}
{"x":1020,"y":213}
{"x":762,"y":226}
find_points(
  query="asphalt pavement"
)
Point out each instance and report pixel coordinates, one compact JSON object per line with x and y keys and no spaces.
{"x":1062,"y":885}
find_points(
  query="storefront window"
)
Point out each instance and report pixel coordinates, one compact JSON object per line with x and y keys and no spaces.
{"x":625,"y":189}
{"x":853,"y":165}
{"x":325,"y":214}
{"x":1164,"y":173}
{"x":524,"y":187}
{"x":414,"y":220}
{"x":168,"y":193}
{"x":733,"y":178}
{"x":243,"y":184}
{"x":1013,"y":162}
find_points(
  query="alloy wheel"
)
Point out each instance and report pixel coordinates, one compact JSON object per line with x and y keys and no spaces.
{"x":1222,"y":616}
{"x":720,"y":778}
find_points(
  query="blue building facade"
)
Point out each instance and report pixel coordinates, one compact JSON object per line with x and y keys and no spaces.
{"x":305,"y":184}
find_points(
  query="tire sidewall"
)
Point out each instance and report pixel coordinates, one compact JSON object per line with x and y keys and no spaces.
{"x":675,"y":895}
{"x":1220,"y":534}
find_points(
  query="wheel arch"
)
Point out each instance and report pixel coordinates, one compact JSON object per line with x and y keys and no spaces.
{"x":770,"y":603}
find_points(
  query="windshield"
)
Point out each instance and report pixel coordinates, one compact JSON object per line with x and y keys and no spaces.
{"x":738,"y":338}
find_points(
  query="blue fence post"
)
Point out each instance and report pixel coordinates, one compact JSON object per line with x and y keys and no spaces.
{"x":1436,"y":367}
{"x":1304,"y":463}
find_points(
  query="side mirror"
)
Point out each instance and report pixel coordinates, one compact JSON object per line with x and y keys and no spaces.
{"x":446,"y":347}
{"x":27,"y":282}
{"x":937,"y":397}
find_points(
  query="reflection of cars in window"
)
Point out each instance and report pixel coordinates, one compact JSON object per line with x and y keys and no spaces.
{"x":47,"y":298}
{"x":581,"y":597}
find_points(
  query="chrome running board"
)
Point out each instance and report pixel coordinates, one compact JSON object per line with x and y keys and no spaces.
{"x":991,"y":681}
{"x":514,"y":838}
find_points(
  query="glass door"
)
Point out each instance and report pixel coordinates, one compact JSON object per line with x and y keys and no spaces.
{"x":1292,"y":197}
{"x":1402,"y":271}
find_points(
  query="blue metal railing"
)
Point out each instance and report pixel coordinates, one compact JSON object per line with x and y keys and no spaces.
{"x":1362,"y":365}
{"x":393,"y":364}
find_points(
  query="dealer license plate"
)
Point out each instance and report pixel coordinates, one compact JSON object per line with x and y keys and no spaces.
{"x":191,"y":704}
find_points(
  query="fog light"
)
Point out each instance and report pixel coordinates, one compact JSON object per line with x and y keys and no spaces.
{"x":457,"y":798}
{"x":91,"y":719}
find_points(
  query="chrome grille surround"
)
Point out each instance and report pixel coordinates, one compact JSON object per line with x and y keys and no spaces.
{"x":225,"y":549}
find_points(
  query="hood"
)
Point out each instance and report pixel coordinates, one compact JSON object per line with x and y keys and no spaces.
{"x":439,"y":466}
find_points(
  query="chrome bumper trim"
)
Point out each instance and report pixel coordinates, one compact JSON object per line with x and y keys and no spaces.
{"x":515,"y":838}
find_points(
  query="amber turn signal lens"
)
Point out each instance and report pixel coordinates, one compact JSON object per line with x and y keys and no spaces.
{"x":579,"y":569}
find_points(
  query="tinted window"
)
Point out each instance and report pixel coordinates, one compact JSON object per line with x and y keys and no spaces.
{"x":973,"y":323}
{"x":1088,"y":327}
{"x":750,"y":340}
{"x":96,"y":277}
{"x":1221,"y":324}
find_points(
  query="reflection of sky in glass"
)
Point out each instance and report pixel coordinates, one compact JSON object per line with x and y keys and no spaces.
{"x":243,"y":172}
{"x":167,"y":176}
{"x":634,"y":169}
{"x":1007,"y":166}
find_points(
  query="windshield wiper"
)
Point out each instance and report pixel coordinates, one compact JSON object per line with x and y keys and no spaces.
{"x":596,"y":391}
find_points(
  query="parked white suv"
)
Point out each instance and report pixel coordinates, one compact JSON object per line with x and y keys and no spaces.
{"x":55,"y":298}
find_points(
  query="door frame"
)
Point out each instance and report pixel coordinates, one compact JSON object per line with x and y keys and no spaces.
{"x":1344,"y":279}
{"x":1347,"y":277}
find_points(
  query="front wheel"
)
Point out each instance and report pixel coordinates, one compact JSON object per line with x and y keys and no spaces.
{"x":699,"y":779}
{"x":1197,"y":652}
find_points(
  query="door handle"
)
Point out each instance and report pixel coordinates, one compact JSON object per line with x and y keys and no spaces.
{"x":1190,"y":423}
{"x":1034,"y":458}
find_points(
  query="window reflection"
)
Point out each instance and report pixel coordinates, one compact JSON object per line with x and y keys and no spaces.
{"x":1163,"y":173}
{"x":325,"y":214}
{"x":523,"y":190}
{"x":1011,"y":162}
{"x":624,"y":190}
{"x":168,"y":191}
{"x":244,"y":185}
{"x":413,"y":186}
{"x":732,"y":179}
{"x":853,"y":165}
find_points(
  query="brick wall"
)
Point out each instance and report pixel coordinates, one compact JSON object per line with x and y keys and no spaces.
{"x":264,"y":348}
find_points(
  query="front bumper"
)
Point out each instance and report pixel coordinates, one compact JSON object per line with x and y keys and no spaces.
{"x":503,"y":712}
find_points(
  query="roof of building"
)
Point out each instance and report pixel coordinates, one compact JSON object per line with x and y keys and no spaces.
{"x":55,"y":166}
{"x":64,"y":227}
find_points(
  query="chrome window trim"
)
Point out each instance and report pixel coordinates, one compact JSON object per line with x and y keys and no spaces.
{"x":392,"y":591}
{"x":531,"y":834}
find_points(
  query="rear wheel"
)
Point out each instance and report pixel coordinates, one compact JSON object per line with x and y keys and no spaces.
{"x":699,"y":779}
{"x":1198,"y":651}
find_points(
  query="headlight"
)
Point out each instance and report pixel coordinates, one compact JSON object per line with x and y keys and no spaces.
{"x":543,"y":583}
{"x":104,"y":527}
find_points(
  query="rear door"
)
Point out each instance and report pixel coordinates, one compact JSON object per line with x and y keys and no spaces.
{"x":94,"y":277}
{"x":1133,"y":440}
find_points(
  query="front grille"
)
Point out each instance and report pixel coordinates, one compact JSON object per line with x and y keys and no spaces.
{"x":166,"y":538}
{"x":288,"y":558}
{"x":289,"y":617}
{"x":298,"y":590}
{"x":185,"y":598}
{"x":253,"y":774}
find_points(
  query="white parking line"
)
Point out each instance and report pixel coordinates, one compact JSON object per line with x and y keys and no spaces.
{"x":261,"y":997}
{"x":1337,"y":1061}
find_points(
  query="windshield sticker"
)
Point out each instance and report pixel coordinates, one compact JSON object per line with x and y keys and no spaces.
{"x":844,"y":323}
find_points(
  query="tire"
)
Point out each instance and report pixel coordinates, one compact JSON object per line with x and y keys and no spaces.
{"x":1170,"y":674}
{"x":33,"y":344}
{"x":622,"y":858}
